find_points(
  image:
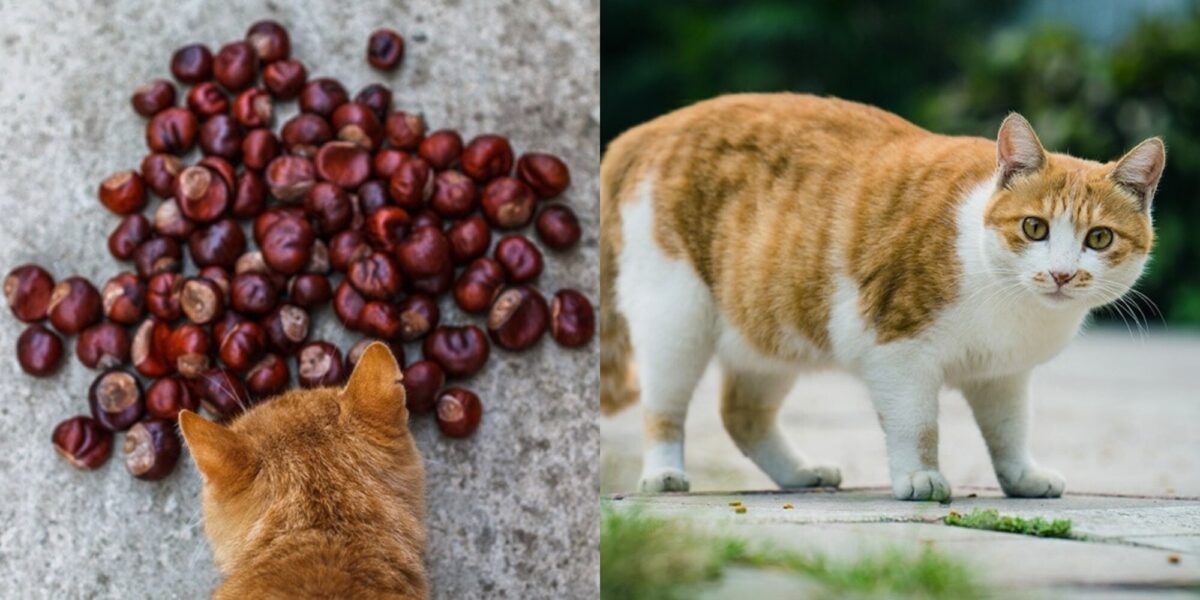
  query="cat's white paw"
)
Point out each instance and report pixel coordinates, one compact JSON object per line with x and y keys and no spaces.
{"x":664,"y":480}
{"x":921,"y":485}
{"x":813,"y":476}
{"x":1032,"y":482}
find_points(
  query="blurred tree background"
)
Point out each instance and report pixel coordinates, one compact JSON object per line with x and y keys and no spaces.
{"x":1095,"y":78}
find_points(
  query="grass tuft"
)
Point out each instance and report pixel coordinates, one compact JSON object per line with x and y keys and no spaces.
{"x":992,"y":520}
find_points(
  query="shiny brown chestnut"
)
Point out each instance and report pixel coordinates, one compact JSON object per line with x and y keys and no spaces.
{"x":28,"y":289}
{"x":219,"y":276}
{"x":404,"y":131}
{"x":419,"y":314}
{"x":115,"y":399}
{"x":422,"y":381}
{"x":344,"y":164}
{"x":253,"y":293}
{"x":424,"y":253}
{"x":124,"y":299}
{"x":289,"y":177}
{"x":329,"y":206}
{"x":267,"y":377}
{"x":157,"y":255}
{"x":170,"y":222}
{"x":253,"y":108}
{"x":378,"y":98}
{"x":188,"y":349}
{"x":235,"y":66}
{"x":151,"y":449}
{"x":356,"y":123}
{"x":380,"y":319}
{"x":201,"y":300}
{"x":558,"y":227}
{"x":150,"y":98}
{"x":172,"y":131}
{"x":167,"y":397}
{"x":285,"y":78}
{"x":518,"y":318}
{"x":427,"y":218}
{"x":249,"y":195}
{"x":348,"y":305}
{"x":385,"y":162}
{"x":454,"y":195}
{"x":459,"y":351}
{"x":159,"y":172}
{"x":479,"y":285}
{"x":545,"y":173}
{"x":441,"y":149}
{"x":219,"y":244}
{"x":458,"y":412}
{"x":207,"y":99}
{"x":241,"y":346}
{"x":220,"y":135}
{"x":103,"y":346}
{"x":270,"y":41}
{"x":74,"y":305}
{"x":385,"y":49}
{"x":259,"y":147}
{"x":83,"y":442}
{"x":387,"y":227}
{"x":128,"y":235}
{"x":372,"y":196}
{"x":148,"y":352}
{"x":487,"y":157}
{"x":39,"y":351}
{"x":411,"y":184}
{"x":286,"y":328}
{"x":221,"y":392}
{"x":434,"y":285}
{"x":508,"y":203}
{"x":202,"y":194}
{"x":375,"y":276}
{"x":226,"y":323}
{"x":162,"y":296}
{"x":304,"y":134}
{"x":323,"y":96}
{"x":469,"y":239}
{"x":572,"y":319}
{"x":320,"y":364}
{"x":123,"y":192}
{"x":347,"y":247}
{"x":192,"y":63}
{"x":309,"y":290}
{"x":287,"y":245}
{"x":522,"y":261}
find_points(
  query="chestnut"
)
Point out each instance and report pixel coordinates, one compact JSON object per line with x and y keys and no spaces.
{"x":124,"y":299}
{"x":378,"y":98}
{"x":434,"y":285}
{"x":356,"y":123}
{"x":344,"y":164}
{"x":285,"y":78}
{"x":202,"y":194}
{"x":153,"y":97}
{"x":207,"y":99}
{"x":253,"y":108}
{"x":458,"y":412}
{"x":201,"y":300}
{"x":219,"y":244}
{"x":309,"y":290}
{"x":487,"y":157}
{"x":221,"y":392}
{"x":74,"y":305}
{"x":323,"y":96}
{"x":404,"y":131}
{"x":385,"y":162}
{"x":115,"y":398}
{"x":252,"y":262}
{"x":235,"y":66}
{"x":459,"y":351}
{"x":159,"y":172}
{"x":422,"y":380}
{"x":469,"y":239}
{"x":427,"y":218}
{"x":219,"y":276}
{"x":253,"y":293}
{"x":221,"y":136}
{"x":222,"y":167}
{"x":148,"y":352}
{"x":128,"y":235}
{"x":287,"y":245}
{"x":348,"y":305}
{"x":83,"y":442}
{"x":259,"y":147}
{"x":188,"y":349}
{"x":572,"y":320}
{"x":387,"y":227}
{"x":103,"y":346}
{"x":424,"y":253}
{"x":267,"y":377}
{"x":385,"y":49}
{"x":249,"y":195}
{"x":151,"y":449}
{"x":192,"y":63}
{"x":270,"y":41}
{"x":157,"y":255}
{"x":558,"y":227}
{"x":545,"y":173}
{"x":225,"y":324}
{"x":167,"y":397}
{"x":376,"y":276}
{"x":163,"y":296}
{"x":170,"y":222}
{"x":304,"y":134}
{"x":380,"y":319}
{"x":372,"y":196}
{"x":508,"y":203}
{"x":28,"y":289}
{"x":518,"y":318}
{"x":123,"y":192}
{"x":347,"y":247}
{"x":286,"y":328}
{"x":242,"y":345}
{"x":411,"y":184}
{"x":320,"y":364}
{"x":356,"y":352}
{"x":39,"y":351}
{"x":329,"y":206}
{"x":289,"y":177}
{"x":441,"y":149}
{"x":172,"y":131}
{"x":418,"y":315}
{"x":454,"y":195}
{"x":479,"y":285}
{"x":522,"y":261}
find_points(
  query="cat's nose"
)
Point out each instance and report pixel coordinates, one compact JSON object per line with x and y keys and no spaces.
{"x":1061,"y":278}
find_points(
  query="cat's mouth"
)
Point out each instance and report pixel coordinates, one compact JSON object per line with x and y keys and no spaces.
{"x":1058,"y":296}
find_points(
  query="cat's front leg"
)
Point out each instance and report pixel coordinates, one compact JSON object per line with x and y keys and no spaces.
{"x":1001,"y":408}
{"x":905,"y":397}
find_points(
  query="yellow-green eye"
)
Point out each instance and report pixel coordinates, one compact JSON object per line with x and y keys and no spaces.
{"x":1099,"y":238}
{"x":1035,"y":229}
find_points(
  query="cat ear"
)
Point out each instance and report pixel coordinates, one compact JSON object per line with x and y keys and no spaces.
{"x":1018,"y":150}
{"x":220,"y":454}
{"x":1140,"y":169}
{"x":373,"y":392}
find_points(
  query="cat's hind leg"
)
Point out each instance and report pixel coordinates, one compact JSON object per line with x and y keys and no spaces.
{"x":750,"y":409}
{"x":1001,"y":408}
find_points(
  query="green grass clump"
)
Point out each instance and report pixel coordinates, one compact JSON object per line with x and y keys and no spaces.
{"x":658,"y":559}
{"x":992,"y":520}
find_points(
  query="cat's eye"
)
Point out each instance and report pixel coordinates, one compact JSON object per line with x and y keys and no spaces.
{"x":1035,"y":229}
{"x":1099,"y":238}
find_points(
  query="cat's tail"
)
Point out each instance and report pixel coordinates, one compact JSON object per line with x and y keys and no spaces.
{"x":618,"y":379}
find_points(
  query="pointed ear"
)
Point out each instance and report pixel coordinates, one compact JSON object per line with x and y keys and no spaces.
{"x":1018,"y":149}
{"x":1140,"y":169}
{"x":374,"y":392}
{"x":220,"y":454}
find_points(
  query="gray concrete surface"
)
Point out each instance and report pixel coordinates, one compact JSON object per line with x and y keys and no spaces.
{"x":513,"y":510}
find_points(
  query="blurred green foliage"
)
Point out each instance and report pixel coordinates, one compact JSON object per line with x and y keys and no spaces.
{"x":953,"y":66}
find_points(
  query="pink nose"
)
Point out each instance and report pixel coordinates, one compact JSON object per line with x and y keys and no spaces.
{"x":1061,"y":278}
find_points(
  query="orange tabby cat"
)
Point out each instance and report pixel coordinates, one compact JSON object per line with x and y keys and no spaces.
{"x":317,"y":493}
{"x":785,"y":232}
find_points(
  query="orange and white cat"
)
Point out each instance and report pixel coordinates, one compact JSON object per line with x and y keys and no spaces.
{"x":317,"y":493}
{"x":786,"y":232}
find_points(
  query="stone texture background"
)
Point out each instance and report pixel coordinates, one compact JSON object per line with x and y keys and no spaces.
{"x":513,"y":511}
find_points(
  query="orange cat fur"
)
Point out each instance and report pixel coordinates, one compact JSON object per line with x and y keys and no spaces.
{"x":316,"y":493}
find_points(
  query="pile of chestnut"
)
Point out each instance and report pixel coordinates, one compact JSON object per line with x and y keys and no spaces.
{"x":351,"y":203}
